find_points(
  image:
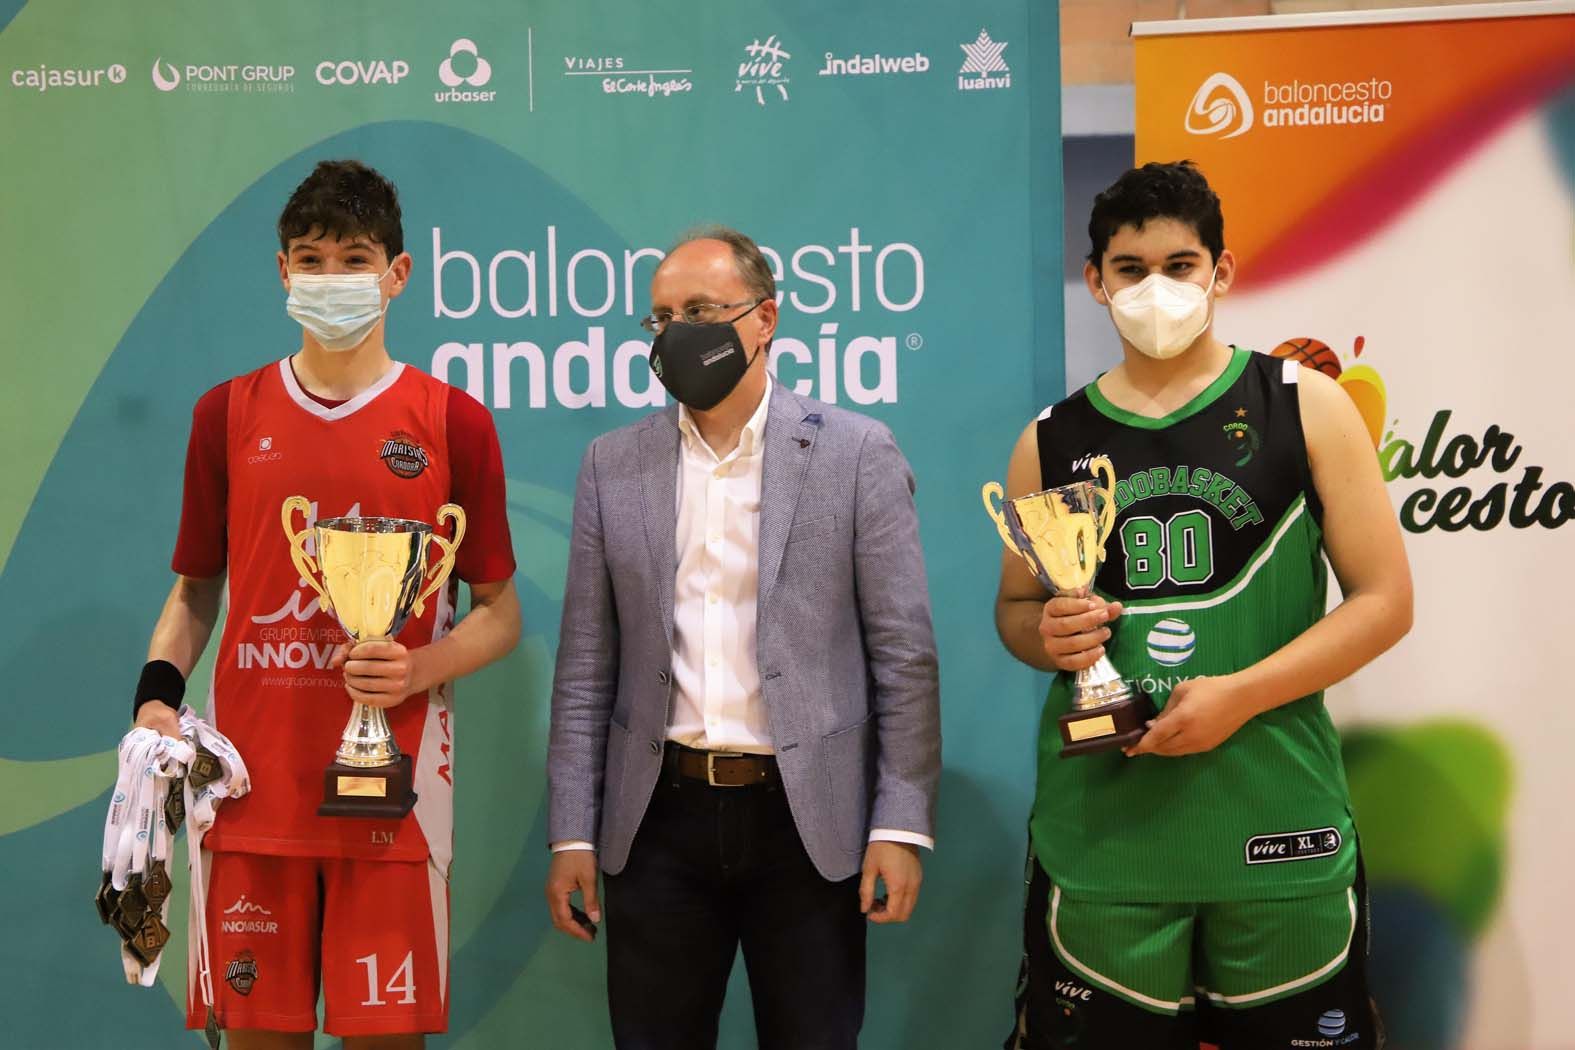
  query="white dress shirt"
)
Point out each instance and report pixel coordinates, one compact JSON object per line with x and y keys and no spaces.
{"x":717,"y":704}
{"x":716,"y":682}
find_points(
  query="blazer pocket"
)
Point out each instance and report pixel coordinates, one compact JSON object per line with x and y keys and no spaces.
{"x":612,"y":777}
{"x":803,"y":530}
{"x":846,"y":756}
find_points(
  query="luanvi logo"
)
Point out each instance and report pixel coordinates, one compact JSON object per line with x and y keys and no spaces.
{"x":1220,"y":107}
{"x":983,"y":59}
{"x":1293,"y":845}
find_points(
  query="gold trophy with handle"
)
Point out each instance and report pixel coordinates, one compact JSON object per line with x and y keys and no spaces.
{"x":374,"y":577}
{"x":1061,"y":534}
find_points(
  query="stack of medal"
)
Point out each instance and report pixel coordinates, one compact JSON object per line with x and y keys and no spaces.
{"x":136,"y":912}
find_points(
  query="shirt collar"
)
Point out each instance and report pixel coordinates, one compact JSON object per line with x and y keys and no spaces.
{"x":754,"y":429}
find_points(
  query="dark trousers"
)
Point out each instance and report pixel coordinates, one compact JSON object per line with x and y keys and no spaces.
{"x":712,"y":869}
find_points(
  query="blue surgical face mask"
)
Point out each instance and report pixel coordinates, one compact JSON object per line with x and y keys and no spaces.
{"x":339,"y":309}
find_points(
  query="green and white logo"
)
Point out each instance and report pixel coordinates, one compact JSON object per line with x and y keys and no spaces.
{"x":1171,"y":642}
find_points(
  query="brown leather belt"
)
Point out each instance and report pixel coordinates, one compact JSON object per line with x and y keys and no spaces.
{"x":727,"y":769}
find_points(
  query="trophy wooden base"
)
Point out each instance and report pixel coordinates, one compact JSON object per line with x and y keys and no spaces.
{"x":1106,"y":727}
{"x":375,"y":792}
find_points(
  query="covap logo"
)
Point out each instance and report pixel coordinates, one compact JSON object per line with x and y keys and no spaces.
{"x":464,"y":55}
{"x":353,"y":72}
{"x":1220,"y":107}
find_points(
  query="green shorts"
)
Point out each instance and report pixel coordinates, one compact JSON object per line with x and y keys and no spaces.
{"x":1237,"y":953}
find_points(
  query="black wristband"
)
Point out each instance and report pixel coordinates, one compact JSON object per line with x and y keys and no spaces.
{"x":161,"y":681}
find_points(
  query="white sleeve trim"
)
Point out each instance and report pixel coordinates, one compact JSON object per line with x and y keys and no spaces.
{"x":912,"y":838}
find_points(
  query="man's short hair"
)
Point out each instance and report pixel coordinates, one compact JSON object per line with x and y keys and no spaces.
{"x":1157,"y":191}
{"x":344,"y":199}
{"x":751,"y":263}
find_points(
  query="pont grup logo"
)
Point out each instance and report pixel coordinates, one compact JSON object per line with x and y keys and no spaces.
{"x":1220,"y":107}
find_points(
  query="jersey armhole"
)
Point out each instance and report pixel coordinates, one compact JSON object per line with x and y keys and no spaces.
{"x":1290,"y":375}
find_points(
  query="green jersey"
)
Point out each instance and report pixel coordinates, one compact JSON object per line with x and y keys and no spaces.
{"x":1216,"y":553}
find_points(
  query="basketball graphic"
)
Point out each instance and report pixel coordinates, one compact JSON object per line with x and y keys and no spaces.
{"x":1171,"y":642}
{"x":1310,"y":353}
{"x":1362,"y":383}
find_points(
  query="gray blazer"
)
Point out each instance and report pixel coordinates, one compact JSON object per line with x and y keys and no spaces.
{"x":846,"y":652}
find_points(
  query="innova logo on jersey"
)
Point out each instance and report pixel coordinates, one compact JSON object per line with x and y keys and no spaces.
{"x":359,"y":73}
{"x":764,"y":67}
{"x":228,"y":78}
{"x":464,"y":68}
{"x":1220,"y":107}
{"x":616,"y":75}
{"x":983,"y":60}
{"x":244,"y":916}
{"x":44,"y":78}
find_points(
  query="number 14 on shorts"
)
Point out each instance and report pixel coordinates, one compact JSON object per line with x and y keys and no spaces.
{"x":401,"y":984}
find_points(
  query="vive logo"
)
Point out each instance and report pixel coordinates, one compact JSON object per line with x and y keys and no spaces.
{"x":763,"y":68}
{"x":1220,"y":107}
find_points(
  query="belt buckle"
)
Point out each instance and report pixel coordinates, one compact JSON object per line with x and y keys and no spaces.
{"x":710,"y":767}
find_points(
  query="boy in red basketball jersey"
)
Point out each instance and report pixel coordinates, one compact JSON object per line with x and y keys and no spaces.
{"x":290,"y":894}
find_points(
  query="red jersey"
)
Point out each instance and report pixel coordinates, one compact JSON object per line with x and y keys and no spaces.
{"x":401,"y":448}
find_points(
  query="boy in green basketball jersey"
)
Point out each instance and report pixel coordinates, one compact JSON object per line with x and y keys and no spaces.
{"x":1205,"y":882}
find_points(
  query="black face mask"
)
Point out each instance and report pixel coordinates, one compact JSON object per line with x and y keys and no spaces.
{"x":700,"y":364}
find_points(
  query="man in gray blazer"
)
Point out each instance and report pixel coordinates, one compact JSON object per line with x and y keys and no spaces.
{"x":745,"y":715}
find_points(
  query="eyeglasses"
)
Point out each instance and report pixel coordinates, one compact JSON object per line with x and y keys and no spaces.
{"x":696,"y":313}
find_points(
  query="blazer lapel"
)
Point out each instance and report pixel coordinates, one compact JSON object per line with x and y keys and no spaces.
{"x":659,"y":497}
{"x":789,"y":441}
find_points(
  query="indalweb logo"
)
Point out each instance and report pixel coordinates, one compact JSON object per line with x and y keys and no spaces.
{"x":1220,"y":107}
{"x":464,"y":55}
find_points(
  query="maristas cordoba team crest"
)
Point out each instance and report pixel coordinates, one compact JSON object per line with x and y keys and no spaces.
{"x":404,"y":455}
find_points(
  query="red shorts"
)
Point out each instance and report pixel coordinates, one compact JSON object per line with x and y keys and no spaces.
{"x":375,"y":932}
